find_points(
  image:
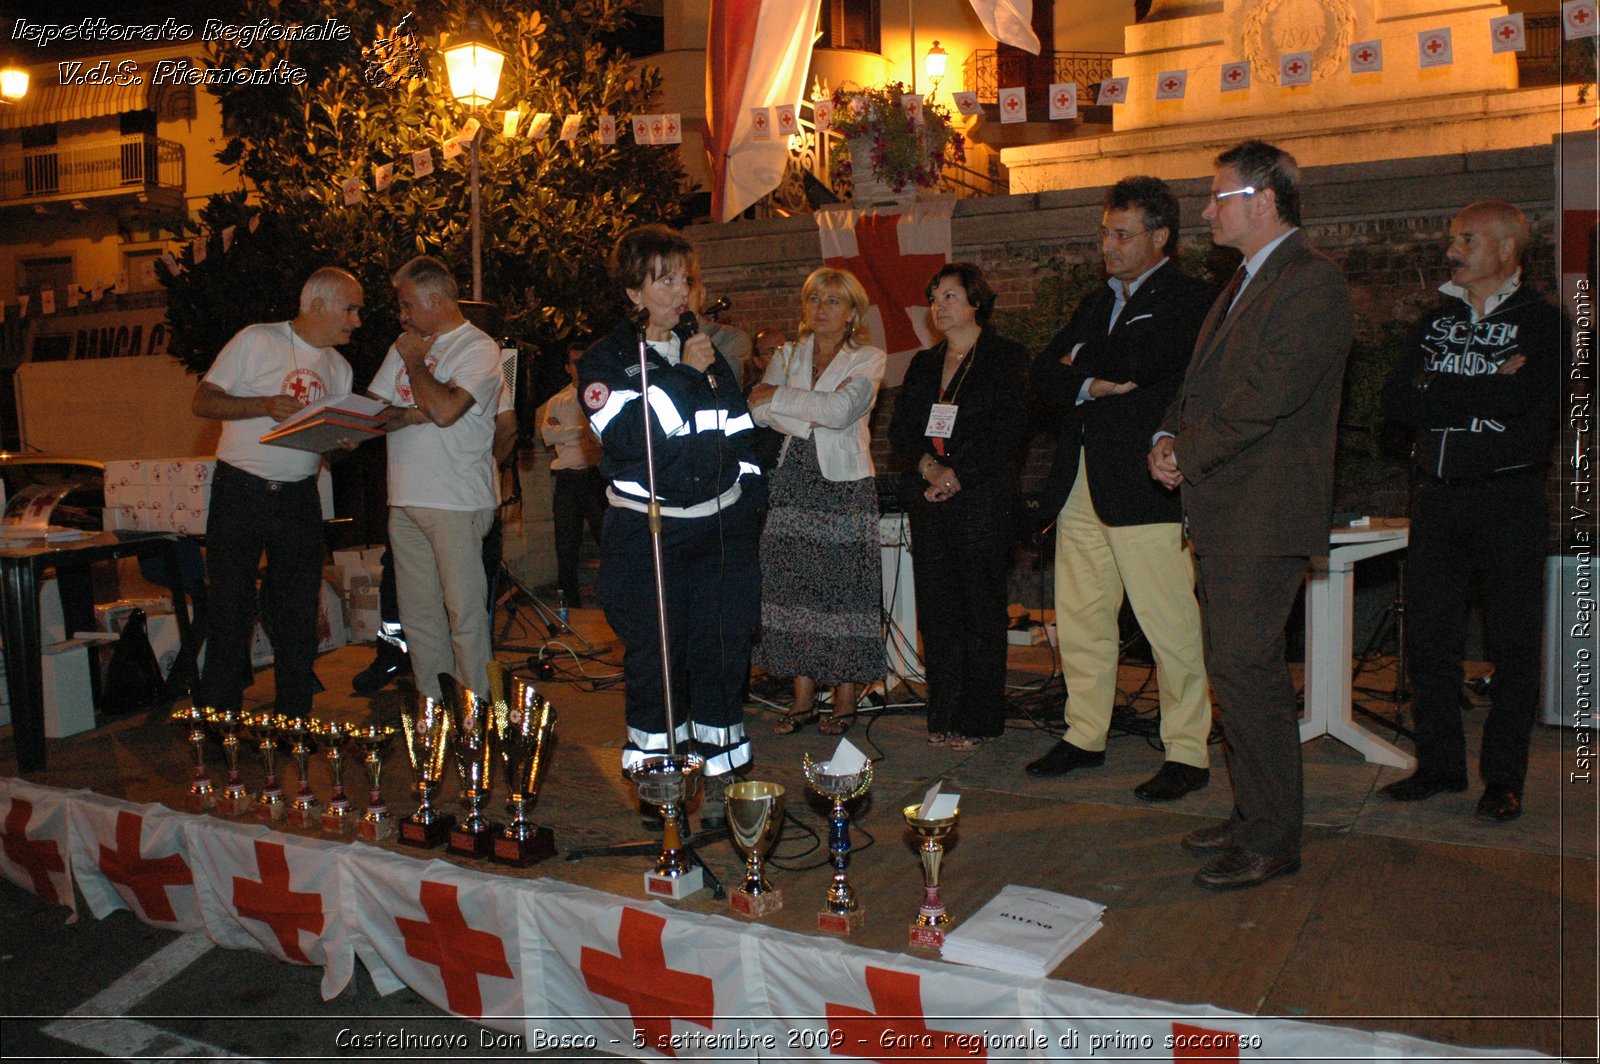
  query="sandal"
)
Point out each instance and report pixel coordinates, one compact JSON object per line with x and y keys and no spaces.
{"x":937,"y":738}
{"x":966,"y":742}
{"x":795,"y":722}
{"x":836,"y":724}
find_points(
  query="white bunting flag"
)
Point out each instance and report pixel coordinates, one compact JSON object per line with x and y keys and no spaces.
{"x":912,"y":102}
{"x":671,"y":128}
{"x":822,"y":115}
{"x":1112,"y":91}
{"x":170,"y":261}
{"x":1235,"y":76}
{"x":1579,"y":19}
{"x":1366,"y":57}
{"x":539,"y":128}
{"x":606,"y":128}
{"x":227,"y":238}
{"x":422,"y":162}
{"x":73,"y":297}
{"x":967,"y":103}
{"x":350,"y":189}
{"x":382,"y":177}
{"x":452,"y":148}
{"x":1433,"y":48}
{"x":760,"y":124}
{"x":1013,"y":105}
{"x":1063,"y":100}
{"x":570,"y":126}
{"x":147,"y":273}
{"x":788,"y":124}
{"x":1506,"y":34}
{"x":47,"y":301}
{"x":508,"y":124}
{"x":1294,"y":68}
{"x":199,"y":247}
{"x":641,"y":129}
{"x":1172,"y":84}
{"x":658,"y":129}
{"x":22,"y":305}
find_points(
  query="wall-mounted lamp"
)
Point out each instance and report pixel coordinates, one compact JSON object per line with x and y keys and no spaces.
{"x":13,"y":84}
{"x":933,"y":65}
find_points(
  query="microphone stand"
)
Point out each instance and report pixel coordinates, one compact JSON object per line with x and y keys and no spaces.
{"x":653,"y":517}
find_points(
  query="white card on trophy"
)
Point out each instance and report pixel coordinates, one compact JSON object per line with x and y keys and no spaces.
{"x":847,"y":759}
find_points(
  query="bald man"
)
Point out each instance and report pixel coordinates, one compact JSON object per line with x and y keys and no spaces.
{"x":1477,"y":380}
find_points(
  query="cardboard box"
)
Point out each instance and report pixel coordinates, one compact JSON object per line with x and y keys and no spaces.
{"x":68,"y":706}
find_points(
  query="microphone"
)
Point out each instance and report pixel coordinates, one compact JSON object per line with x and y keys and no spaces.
{"x":687,"y":326}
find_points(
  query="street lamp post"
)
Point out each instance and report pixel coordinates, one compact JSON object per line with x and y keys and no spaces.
{"x":13,"y":84}
{"x":473,"y":62}
{"x":934,"y":64}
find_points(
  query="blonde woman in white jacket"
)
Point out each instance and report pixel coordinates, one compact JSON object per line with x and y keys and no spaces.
{"x":821,"y":590}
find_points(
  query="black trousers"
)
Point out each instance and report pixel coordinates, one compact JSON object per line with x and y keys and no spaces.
{"x":1494,"y":532}
{"x":579,"y":496}
{"x":249,"y":515}
{"x":713,"y":593}
{"x":961,"y":551}
{"x":1244,"y":604}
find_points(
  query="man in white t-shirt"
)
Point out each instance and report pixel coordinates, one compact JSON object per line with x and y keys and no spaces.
{"x":443,"y":376}
{"x":264,"y":497}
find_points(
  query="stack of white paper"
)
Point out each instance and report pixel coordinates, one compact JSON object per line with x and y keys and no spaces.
{"x":1023,"y":930}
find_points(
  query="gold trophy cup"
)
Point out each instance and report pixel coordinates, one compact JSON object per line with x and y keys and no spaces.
{"x":928,"y":931}
{"x":302,"y":734}
{"x":841,"y":914}
{"x":668,"y":782}
{"x":340,"y":816}
{"x":227,"y":724}
{"x":755,"y":820}
{"x":376,"y":824}
{"x":266,"y":730}
{"x":202,"y":793}
{"x":525,"y":742}
{"x":472,"y":718}
{"x":427,"y":732}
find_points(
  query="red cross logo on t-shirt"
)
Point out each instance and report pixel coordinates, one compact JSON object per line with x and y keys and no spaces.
{"x":271,"y":901}
{"x":304,"y":384}
{"x":148,"y":879}
{"x":38,"y":858}
{"x":461,"y":953}
{"x":637,"y":975}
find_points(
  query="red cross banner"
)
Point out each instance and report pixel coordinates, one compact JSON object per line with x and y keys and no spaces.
{"x":1013,"y":105}
{"x":127,"y":856}
{"x":1112,"y":91}
{"x":259,"y":892}
{"x":33,"y":842}
{"x":1507,"y":34}
{"x":1235,"y":76}
{"x":1063,"y":100}
{"x":1294,"y":68}
{"x":1172,"y":84}
{"x":967,"y":103}
{"x":451,"y":934}
{"x":760,"y":123}
{"x":1433,"y":49}
{"x":1579,"y":19}
{"x":1366,"y":57}
{"x":893,"y":255}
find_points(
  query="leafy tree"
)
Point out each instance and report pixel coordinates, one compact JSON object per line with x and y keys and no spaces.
{"x":550,"y":209}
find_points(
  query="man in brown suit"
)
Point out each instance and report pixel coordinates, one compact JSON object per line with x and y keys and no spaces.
{"x":1250,"y":438}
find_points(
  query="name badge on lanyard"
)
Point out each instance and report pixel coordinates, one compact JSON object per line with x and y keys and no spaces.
{"x":941,"y":420}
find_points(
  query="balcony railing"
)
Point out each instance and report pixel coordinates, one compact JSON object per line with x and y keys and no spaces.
{"x":129,"y":163}
{"x":987,"y":72}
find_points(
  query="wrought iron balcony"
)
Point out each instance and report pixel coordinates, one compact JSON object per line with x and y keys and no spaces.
{"x":987,"y":72}
{"x":77,"y":171}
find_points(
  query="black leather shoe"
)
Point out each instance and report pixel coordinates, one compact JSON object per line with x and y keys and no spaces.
{"x":1500,"y":804}
{"x":378,"y":675}
{"x":1173,"y":781}
{"x":1240,"y":868}
{"x":1063,"y":758}
{"x":1420,"y":785}
{"x":1209,"y":840}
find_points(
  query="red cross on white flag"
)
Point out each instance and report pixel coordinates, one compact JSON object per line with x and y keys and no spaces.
{"x":1433,"y":48}
{"x":760,"y":124}
{"x":350,"y":189}
{"x":788,"y":125}
{"x":134,"y":857}
{"x":1506,"y":34}
{"x":606,"y":128}
{"x":912,"y":103}
{"x":1064,"y":100}
{"x":1294,"y":68}
{"x":1366,"y":57}
{"x":672,"y":128}
{"x":641,"y":129}
{"x":1172,"y":84}
{"x":967,"y":103}
{"x":1112,"y":90}
{"x":422,"y":162}
{"x":570,"y":125}
{"x":1235,"y":76}
{"x":539,"y":125}
{"x":1013,"y":105}
{"x":33,"y":846}
{"x":1579,"y":19}
{"x":822,"y":115}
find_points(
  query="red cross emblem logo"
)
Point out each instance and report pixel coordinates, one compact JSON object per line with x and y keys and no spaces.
{"x":147,"y":879}
{"x":1061,"y":99}
{"x":1507,"y":32}
{"x":1235,"y":74}
{"x":271,"y":901}
{"x":637,"y":975}
{"x":595,"y":395}
{"x":761,"y":121}
{"x":1434,"y":44}
{"x":461,"y":953}
{"x":1114,"y":90}
{"x":1365,"y":55}
{"x":38,"y":858}
{"x":655,"y":128}
{"x":672,"y":127}
{"x":1581,"y":15}
{"x":304,"y":385}
{"x":1011,"y":103}
{"x":892,"y":280}
{"x":1170,"y":84}
{"x":1294,"y":67}
{"x":897,"y":1019}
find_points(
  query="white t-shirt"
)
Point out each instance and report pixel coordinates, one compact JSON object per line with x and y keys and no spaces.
{"x":446,"y":468}
{"x":272,"y":360}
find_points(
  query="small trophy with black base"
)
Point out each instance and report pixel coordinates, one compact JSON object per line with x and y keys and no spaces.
{"x":426,"y":729}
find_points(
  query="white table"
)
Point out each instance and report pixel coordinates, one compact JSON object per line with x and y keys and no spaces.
{"x":1330,"y":601}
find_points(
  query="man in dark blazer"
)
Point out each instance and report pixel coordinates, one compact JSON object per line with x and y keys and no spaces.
{"x":1112,"y":372}
{"x":1250,"y":437}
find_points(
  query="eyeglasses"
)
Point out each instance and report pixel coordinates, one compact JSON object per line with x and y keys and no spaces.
{"x":1120,"y":236}
{"x":1248,"y":190}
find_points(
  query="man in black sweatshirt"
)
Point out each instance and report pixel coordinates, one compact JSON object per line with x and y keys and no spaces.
{"x":1478,"y":381}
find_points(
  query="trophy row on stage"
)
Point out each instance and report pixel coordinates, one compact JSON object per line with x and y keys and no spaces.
{"x":509,"y":731}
